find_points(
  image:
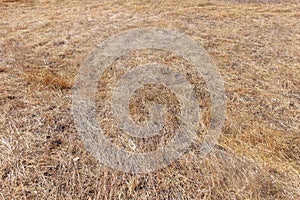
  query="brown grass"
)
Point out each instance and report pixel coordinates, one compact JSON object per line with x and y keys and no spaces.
{"x":256,"y":47}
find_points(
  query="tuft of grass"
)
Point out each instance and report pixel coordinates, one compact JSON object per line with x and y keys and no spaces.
{"x":57,"y":82}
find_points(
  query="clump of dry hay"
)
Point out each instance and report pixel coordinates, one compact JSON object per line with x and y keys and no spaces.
{"x":256,"y":47}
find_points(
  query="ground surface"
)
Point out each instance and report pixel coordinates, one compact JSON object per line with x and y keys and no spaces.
{"x":256,"y":47}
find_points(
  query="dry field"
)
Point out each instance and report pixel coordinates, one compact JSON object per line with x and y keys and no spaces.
{"x":255,"y":44}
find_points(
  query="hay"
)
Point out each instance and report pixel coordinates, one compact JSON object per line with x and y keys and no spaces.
{"x":256,"y":47}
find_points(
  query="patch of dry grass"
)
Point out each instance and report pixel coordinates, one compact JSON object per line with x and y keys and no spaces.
{"x":256,"y":47}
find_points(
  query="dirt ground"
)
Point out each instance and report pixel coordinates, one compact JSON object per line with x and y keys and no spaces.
{"x":255,"y":46}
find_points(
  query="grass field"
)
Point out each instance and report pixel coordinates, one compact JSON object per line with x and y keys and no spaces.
{"x":255,"y":45}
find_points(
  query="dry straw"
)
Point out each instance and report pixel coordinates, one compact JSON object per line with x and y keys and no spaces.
{"x":256,"y":47}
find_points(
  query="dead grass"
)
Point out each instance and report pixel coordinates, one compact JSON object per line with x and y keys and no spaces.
{"x":256,"y":47}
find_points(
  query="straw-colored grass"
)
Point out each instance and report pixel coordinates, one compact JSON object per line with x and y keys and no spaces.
{"x":256,"y":47}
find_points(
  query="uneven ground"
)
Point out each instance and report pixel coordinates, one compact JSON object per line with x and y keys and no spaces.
{"x":256,"y":47}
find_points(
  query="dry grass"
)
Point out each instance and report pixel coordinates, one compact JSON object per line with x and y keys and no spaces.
{"x":256,"y":47}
